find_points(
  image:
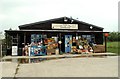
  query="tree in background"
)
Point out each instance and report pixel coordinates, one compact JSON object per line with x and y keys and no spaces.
{"x":2,"y":43}
{"x":8,"y":40}
{"x":2,"y":38}
{"x":1,"y":35}
{"x":5,"y":41}
{"x":114,"y":36}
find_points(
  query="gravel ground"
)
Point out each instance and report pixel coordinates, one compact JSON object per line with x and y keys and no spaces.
{"x":71,"y":67}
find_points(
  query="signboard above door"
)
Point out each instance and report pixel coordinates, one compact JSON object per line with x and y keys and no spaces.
{"x":64,"y":26}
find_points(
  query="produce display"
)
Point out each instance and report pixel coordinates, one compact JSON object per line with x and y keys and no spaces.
{"x":82,"y":46}
{"x":51,"y":45}
{"x":37,"y":46}
{"x":41,"y":45}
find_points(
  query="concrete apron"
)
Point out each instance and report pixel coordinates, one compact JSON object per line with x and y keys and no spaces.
{"x":69,"y":67}
{"x":8,"y":69}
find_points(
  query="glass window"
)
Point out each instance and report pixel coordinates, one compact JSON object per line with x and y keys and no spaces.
{"x":88,"y":37}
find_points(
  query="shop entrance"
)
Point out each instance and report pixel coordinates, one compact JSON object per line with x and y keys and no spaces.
{"x":68,"y":43}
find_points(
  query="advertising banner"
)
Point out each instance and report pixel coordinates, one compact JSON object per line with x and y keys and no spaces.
{"x":64,"y":26}
{"x":14,"y":50}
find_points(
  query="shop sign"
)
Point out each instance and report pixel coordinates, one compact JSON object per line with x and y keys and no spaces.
{"x":14,"y":50}
{"x":64,"y":26}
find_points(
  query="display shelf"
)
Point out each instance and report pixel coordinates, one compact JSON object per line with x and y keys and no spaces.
{"x":37,"y":46}
{"x":52,"y":45}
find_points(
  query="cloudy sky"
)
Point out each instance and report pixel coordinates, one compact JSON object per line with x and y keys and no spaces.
{"x":103,"y":13}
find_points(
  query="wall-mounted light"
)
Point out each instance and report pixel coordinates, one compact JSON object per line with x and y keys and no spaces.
{"x":59,"y":42}
{"x":91,"y":27}
{"x":72,"y":20}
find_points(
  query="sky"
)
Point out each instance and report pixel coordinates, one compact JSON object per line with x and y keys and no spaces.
{"x":103,"y":13}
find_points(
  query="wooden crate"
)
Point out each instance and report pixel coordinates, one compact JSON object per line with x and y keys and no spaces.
{"x":99,"y":48}
{"x":50,"y":51}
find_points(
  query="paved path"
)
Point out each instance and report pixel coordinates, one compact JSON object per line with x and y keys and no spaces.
{"x":71,"y":67}
{"x":60,"y":56}
{"x":8,"y":69}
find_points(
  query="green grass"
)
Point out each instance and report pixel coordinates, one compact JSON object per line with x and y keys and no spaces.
{"x":113,"y":47}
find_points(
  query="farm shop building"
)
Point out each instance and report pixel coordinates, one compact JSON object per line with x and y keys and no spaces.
{"x":55,"y":36}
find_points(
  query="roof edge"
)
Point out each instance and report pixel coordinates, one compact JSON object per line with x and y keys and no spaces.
{"x":58,"y":18}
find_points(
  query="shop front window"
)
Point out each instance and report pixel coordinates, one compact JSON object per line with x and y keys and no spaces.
{"x":88,"y":37}
{"x":41,"y":44}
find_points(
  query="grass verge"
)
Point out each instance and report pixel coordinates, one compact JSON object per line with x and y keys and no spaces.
{"x":113,"y":47}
